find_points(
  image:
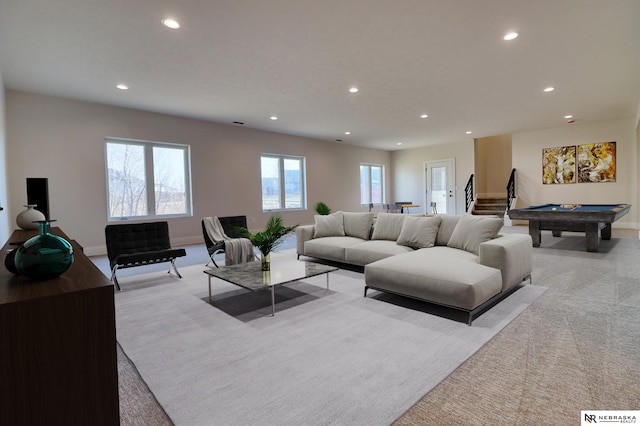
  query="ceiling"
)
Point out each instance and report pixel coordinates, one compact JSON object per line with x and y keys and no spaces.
{"x":248,"y":60}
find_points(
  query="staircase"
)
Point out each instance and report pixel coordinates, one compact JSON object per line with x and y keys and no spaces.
{"x":490,"y":204}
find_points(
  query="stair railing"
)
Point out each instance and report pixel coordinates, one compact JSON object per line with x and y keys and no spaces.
{"x":511,"y":188}
{"x":468,"y":193}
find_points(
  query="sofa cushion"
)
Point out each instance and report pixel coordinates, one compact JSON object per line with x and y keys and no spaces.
{"x":388,"y":226}
{"x":369,"y":251}
{"x":472,"y":230}
{"x":329,"y":248}
{"x":330,"y":225}
{"x":447,"y":280}
{"x":358,"y":224}
{"x":448,"y":223}
{"x":419,"y":232}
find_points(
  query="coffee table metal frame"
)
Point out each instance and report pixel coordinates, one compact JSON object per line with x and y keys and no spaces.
{"x":251,"y":277}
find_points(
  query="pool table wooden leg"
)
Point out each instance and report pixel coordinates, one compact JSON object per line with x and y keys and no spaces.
{"x":606,"y":231}
{"x":593,"y":237}
{"x":534,"y":231}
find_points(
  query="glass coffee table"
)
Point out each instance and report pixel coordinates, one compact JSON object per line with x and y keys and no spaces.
{"x":283,"y":271}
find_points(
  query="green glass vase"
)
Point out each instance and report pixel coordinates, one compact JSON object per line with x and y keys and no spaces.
{"x":44,"y":256}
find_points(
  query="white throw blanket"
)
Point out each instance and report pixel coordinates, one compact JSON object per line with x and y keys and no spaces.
{"x":236,"y":250}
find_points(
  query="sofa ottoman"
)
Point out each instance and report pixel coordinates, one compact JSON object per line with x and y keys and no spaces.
{"x":445,"y":276}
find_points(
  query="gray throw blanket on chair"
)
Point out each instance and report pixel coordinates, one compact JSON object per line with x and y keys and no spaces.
{"x":236,"y":250}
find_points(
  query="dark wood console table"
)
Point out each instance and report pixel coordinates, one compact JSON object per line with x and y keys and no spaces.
{"x":57,"y":345}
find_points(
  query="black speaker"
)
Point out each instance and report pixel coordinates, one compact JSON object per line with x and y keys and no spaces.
{"x":38,"y":194}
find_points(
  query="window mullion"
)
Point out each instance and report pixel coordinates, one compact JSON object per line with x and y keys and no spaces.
{"x":187,"y":179}
{"x":282,"y":185}
{"x":150,"y":180}
{"x":370,"y":183}
{"x":303,"y":193}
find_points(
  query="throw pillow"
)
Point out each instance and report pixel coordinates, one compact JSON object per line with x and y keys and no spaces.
{"x":358,"y":224}
{"x":447,"y":225}
{"x":330,"y":225}
{"x":388,"y":226}
{"x":419,"y":232}
{"x":472,"y":230}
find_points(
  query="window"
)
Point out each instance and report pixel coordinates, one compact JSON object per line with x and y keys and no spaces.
{"x":371,"y":184}
{"x":135,"y":166}
{"x":283,"y":182}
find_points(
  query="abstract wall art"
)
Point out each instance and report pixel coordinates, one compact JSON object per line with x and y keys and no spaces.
{"x":559,"y":165}
{"x":597,"y":162}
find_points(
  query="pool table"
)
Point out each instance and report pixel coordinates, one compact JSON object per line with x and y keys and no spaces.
{"x":587,"y":218}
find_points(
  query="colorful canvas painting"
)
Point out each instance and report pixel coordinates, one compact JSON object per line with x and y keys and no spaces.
{"x":597,"y":162}
{"x":559,"y":165}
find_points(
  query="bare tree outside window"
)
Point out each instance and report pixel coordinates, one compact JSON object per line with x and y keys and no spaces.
{"x":126,"y":179}
{"x":169,"y":180}
{"x":134,"y":167}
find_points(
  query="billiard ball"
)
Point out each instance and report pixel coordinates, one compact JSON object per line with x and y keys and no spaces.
{"x":553,"y":209}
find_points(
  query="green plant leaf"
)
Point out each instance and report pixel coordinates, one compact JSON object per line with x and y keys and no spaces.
{"x":322,"y":208}
{"x":271,"y":237}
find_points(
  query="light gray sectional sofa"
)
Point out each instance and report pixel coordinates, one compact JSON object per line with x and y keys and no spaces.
{"x":459,"y":261}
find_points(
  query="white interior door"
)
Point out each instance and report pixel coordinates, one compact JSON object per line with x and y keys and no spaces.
{"x":440,"y":184}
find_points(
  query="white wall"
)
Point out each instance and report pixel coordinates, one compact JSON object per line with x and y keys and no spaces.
{"x":4,"y":214}
{"x":63,"y":140}
{"x":527,"y":159}
{"x":409,"y":171}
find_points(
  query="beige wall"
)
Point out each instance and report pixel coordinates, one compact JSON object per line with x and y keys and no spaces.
{"x":492,"y":164}
{"x":527,"y":159}
{"x":4,"y":214}
{"x":63,"y":140}
{"x":409,"y":170}
{"x":636,"y":175}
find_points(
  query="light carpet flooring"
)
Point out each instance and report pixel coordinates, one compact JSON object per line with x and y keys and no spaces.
{"x":577,"y":347}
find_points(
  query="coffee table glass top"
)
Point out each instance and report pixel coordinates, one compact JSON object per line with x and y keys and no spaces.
{"x":250,"y":276}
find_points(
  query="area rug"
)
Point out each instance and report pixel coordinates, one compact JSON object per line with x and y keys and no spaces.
{"x":326,"y":357}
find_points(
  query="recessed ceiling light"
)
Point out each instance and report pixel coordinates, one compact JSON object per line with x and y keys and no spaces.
{"x":468,"y":132}
{"x":510,"y":36}
{"x":347,"y":133}
{"x":122,"y":86}
{"x":568,"y":116}
{"x":273,"y":117}
{"x":353,"y":90}
{"x":171,"y":23}
{"x":549,"y":89}
{"x":399,"y":143}
{"x":424,"y":116}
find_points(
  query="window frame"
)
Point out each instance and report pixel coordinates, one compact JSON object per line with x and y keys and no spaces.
{"x":148,"y":147}
{"x":369,"y":188}
{"x":282,"y":202}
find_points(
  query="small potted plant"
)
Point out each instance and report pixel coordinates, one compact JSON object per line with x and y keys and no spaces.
{"x":267,"y":240}
{"x":322,"y":208}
